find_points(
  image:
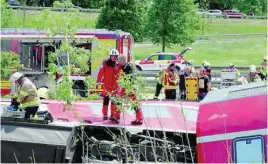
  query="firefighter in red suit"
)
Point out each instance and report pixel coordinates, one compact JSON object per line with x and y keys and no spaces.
{"x":127,"y":69}
{"x":108,"y":75}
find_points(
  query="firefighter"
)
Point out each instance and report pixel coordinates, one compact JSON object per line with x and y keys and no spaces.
{"x":263,"y":69}
{"x":253,"y":75}
{"x":186,"y":73}
{"x":159,"y":84}
{"x":204,"y":84}
{"x":108,"y":75}
{"x":206,"y":65}
{"x":170,"y":82}
{"x":231,"y":68}
{"x":26,"y":94}
{"x":128,"y":69}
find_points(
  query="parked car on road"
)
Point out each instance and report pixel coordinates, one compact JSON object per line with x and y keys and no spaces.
{"x":233,"y":14}
{"x":214,"y":13}
{"x":201,"y":11}
{"x":161,"y":60}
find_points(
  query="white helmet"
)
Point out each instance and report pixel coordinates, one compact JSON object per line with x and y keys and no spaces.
{"x":231,"y":64}
{"x":114,"y":52}
{"x":16,"y":76}
{"x":252,"y":69}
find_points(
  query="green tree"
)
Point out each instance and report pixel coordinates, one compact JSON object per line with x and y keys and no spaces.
{"x":6,"y":15}
{"x":257,"y":6}
{"x":8,"y":60}
{"x":172,"y":22}
{"x":126,"y":15}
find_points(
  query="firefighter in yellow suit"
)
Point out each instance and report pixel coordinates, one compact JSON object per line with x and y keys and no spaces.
{"x":26,"y":94}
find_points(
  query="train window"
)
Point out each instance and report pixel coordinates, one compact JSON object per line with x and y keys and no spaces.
{"x":248,"y":149}
{"x":5,"y":45}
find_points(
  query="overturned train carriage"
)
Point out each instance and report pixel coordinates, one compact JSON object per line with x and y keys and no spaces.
{"x":165,"y":136}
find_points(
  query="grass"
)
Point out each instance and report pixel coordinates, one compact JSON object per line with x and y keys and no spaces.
{"x":233,"y":26}
{"x":210,"y":26}
{"x":240,"y":52}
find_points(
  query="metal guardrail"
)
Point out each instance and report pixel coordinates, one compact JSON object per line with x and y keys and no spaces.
{"x":232,"y":35}
{"x":99,"y":10}
{"x":205,"y":15}
{"x":54,"y":8}
{"x":150,"y":75}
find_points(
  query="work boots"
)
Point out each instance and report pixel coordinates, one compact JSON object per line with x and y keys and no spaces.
{"x":136,"y":122}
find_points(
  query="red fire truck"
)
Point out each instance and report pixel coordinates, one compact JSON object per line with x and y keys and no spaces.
{"x":33,"y":47}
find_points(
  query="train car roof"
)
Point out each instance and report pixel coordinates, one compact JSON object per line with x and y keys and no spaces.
{"x":99,"y":33}
{"x":251,"y":89}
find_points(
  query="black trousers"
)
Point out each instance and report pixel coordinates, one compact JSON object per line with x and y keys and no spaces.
{"x":171,"y":94}
{"x":182,"y":93}
{"x":106,"y":100}
{"x":158,"y":90}
{"x":30,"y":111}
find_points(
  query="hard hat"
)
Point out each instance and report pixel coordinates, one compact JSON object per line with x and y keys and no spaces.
{"x":205,"y":64}
{"x":122,"y":59}
{"x":190,"y":61}
{"x":114,"y":52}
{"x":43,"y":93}
{"x":16,"y":76}
{"x":231,"y":64}
{"x":252,"y":68}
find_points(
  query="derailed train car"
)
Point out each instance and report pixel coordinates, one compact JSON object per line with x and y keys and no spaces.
{"x":232,"y":125}
{"x":167,"y":135}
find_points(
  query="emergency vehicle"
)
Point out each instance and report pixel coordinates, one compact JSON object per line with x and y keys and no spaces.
{"x":33,"y":47}
{"x":160,"y":60}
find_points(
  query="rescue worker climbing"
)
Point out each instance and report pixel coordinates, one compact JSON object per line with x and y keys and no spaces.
{"x":108,"y":75}
{"x":231,"y":68}
{"x":26,"y":94}
{"x":253,"y":75}
{"x":206,"y":65}
{"x":263,"y":69}
{"x":127,"y":69}
{"x":170,"y":82}
{"x":204,"y":84}
{"x":159,"y":84}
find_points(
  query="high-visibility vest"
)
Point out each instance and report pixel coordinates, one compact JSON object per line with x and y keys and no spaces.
{"x":170,"y":80}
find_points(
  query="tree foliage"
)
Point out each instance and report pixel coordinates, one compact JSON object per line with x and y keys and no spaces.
{"x":172,"y":22}
{"x":125,"y":15}
{"x":8,"y":60}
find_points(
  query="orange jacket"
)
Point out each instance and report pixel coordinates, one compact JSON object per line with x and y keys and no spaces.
{"x":170,"y":80}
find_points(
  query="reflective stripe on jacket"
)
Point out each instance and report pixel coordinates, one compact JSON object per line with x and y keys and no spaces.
{"x":170,"y":80}
{"x":160,"y":76}
{"x":27,"y":94}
